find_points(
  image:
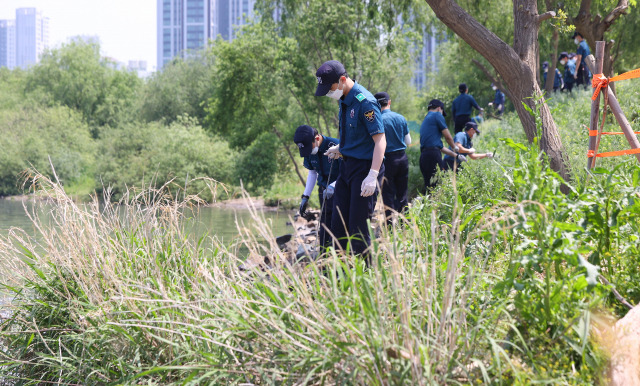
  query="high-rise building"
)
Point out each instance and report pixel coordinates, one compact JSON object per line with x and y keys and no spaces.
{"x":32,"y":36}
{"x":187,"y":25}
{"x":426,"y":59}
{"x":233,"y":14}
{"x":8,"y":43}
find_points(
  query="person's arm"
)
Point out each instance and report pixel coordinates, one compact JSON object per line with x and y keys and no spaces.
{"x":447,"y":136}
{"x":475,"y":104}
{"x":578,"y":61}
{"x":407,"y":136}
{"x":312,"y":177}
{"x":407,"y":139}
{"x":480,"y":155}
{"x":464,"y":150}
{"x":380,"y":141}
{"x":453,"y":110}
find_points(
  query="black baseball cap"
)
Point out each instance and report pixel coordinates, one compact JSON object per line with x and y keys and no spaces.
{"x":576,"y":34}
{"x":304,"y":137}
{"x":545,"y":64}
{"x":563,"y":54}
{"x":471,"y":125}
{"x":382,"y":97}
{"x":436,"y":103}
{"x":328,"y":74}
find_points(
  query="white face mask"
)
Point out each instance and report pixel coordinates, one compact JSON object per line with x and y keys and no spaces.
{"x":576,"y":41}
{"x":564,"y":62}
{"x":337,"y":94}
{"x":314,"y":151}
{"x":494,"y":88}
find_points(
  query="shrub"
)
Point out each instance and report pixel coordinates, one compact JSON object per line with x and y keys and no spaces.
{"x":152,"y":154}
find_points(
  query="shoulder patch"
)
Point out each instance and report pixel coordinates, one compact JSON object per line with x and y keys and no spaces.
{"x":370,"y":115}
{"x":360,"y":97}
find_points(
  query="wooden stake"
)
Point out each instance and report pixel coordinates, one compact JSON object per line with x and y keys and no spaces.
{"x":595,"y":105}
{"x":617,"y":111}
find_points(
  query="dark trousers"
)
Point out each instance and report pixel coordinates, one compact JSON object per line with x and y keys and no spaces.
{"x":568,"y":86}
{"x":350,"y":210}
{"x":395,"y":184}
{"x":326,"y":213}
{"x":430,"y":162}
{"x":460,"y":121}
{"x":449,"y":164}
{"x":583,"y":76}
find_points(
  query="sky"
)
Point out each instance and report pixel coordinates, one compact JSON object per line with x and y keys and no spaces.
{"x":126,"y":28}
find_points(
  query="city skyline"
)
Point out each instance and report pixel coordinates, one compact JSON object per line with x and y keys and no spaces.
{"x":134,"y":39}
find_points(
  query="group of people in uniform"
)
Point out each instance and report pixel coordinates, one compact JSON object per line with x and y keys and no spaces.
{"x":369,"y":156}
{"x":576,"y":72}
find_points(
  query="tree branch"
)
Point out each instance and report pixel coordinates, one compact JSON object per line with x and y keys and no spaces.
{"x":619,"y":10}
{"x":493,"y":79}
{"x":545,"y":16}
{"x":616,"y":293}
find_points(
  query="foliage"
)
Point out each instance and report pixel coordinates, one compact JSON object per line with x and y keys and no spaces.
{"x":153,"y":154}
{"x":181,"y":88}
{"x":40,"y":137}
{"x":256,"y":167}
{"x":75,"y":75}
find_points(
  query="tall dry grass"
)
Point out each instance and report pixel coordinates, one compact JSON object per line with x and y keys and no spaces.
{"x":119,"y":294}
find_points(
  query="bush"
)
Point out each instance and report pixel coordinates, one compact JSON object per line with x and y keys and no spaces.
{"x":257,"y":164}
{"x":29,"y":137}
{"x":151,"y":154}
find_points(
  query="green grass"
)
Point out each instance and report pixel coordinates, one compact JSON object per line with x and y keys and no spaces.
{"x":491,"y":279}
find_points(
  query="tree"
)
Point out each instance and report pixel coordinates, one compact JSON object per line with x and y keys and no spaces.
{"x":517,"y":66}
{"x":593,"y":27}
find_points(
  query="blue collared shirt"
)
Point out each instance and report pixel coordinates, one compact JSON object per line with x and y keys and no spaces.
{"x":583,"y":49}
{"x":395,"y":129}
{"x":498,"y":99}
{"x":360,"y":119}
{"x":462,"y":105}
{"x":463,"y":139}
{"x":327,"y":169}
{"x":431,"y":130}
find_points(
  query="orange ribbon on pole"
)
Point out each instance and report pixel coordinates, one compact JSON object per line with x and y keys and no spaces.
{"x":600,"y":81}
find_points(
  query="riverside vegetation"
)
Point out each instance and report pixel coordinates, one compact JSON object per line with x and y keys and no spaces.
{"x":493,"y":279}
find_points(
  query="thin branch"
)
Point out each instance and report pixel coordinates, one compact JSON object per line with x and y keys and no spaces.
{"x":615,"y":293}
{"x":545,"y":16}
{"x":619,"y":10}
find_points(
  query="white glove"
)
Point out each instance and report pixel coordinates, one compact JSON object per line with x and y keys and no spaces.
{"x":328,"y":192}
{"x":490,"y":104}
{"x":461,"y":159}
{"x":369,"y":184}
{"x":489,"y":155}
{"x":472,"y":150}
{"x":455,"y":149}
{"x":333,"y":152}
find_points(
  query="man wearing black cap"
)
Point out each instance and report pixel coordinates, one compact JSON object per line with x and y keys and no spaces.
{"x":322,"y":171}
{"x":395,"y":184}
{"x":583,"y":75}
{"x":569,"y":71}
{"x":465,"y":147}
{"x":362,"y":146}
{"x":432,"y":129}
{"x":461,"y":107}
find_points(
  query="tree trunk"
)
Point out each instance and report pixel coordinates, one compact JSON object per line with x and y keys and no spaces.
{"x":516,"y":66}
{"x":592,"y":28}
{"x":551,"y":75}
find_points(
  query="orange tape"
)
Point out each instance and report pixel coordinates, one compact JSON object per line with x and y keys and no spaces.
{"x":594,"y":133}
{"x":600,"y":81}
{"x":591,"y":153}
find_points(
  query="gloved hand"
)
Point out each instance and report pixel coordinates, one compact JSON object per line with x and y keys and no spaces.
{"x":328,"y":192}
{"x":461,"y":159}
{"x":489,"y":155}
{"x":369,"y":184}
{"x":456,"y":149}
{"x":303,"y":205}
{"x":333,"y":152}
{"x":490,"y":103}
{"x":472,"y":150}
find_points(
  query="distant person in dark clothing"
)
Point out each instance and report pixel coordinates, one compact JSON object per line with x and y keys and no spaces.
{"x":583,"y":75}
{"x":569,"y":71}
{"x":557,"y":79}
{"x":395,"y":183}
{"x":498,"y":101}
{"x":461,"y":107}
{"x":432,"y":129}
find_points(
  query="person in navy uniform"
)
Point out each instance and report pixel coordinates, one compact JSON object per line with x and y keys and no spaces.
{"x":432,"y":129}
{"x":395,"y":184}
{"x":465,"y":148}
{"x":498,"y":101}
{"x":569,"y":65}
{"x":362,"y":146}
{"x":323,"y":171}
{"x":583,"y":75}
{"x":558,"y":84}
{"x":461,"y":107}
